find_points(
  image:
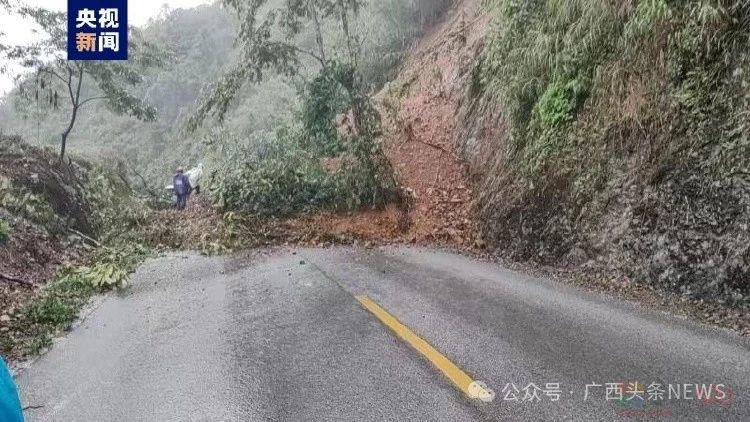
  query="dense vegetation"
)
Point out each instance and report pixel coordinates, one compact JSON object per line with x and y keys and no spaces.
{"x":75,"y":225}
{"x":271,"y":143}
{"x":627,"y":143}
{"x":201,"y":43}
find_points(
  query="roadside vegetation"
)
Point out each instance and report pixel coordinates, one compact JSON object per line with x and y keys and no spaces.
{"x":58,"y":305}
{"x":69,"y":230}
{"x":201,"y":46}
{"x":627,"y":146}
{"x":327,"y":154}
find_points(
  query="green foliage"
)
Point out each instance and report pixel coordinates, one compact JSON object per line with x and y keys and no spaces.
{"x":288,"y":179}
{"x":285,"y":175}
{"x":269,"y":39}
{"x":103,"y":276}
{"x":30,"y":206}
{"x":58,"y":81}
{"x":622,"y":105}
{"x":323,"y":99}
{"x":541,"y":56}
{"x":559,"y":101}
{"x":4,"y":232}
{"x":59,"y":303}
{"x":118,"y":215}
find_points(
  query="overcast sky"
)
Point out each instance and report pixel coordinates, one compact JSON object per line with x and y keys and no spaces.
{"x":139,"y":12}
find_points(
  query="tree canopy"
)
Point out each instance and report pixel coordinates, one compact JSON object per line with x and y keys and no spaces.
{"x":79,"y":83}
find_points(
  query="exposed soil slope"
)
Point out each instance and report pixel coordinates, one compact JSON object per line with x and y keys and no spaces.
{"x":419,"y":112}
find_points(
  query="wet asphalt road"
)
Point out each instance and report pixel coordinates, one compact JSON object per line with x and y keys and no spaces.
{"x":281,"y":337}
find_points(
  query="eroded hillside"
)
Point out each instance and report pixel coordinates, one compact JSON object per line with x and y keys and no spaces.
{"x":419,"y":111}
{"x":619,"y":152}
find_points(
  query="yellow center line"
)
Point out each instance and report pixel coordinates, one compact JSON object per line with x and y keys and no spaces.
{"x":461,"y":379}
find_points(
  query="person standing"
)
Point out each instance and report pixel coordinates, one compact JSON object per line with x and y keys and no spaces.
{"x":182,"y":188}
{"x":10,"y":405}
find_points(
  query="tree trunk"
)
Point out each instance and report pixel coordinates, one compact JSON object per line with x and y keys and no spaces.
{"x":64,"y":139}
{"x":347,"y":34}
{"x":318,"y":33}
{"x":75,"y":99}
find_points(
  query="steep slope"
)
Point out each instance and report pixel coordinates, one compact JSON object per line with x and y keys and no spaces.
{"x":419,"y":109}
{"x":42,"y":206}
{"x":618,"y":153}
{"x":56,"y":217}
{"x":622,"y":146}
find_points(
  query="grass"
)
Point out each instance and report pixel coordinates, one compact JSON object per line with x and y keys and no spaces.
{"x":53,"y":311}
{"x":4,"y":232}
{"x":597,"y":96}
{"x":58,"y":305}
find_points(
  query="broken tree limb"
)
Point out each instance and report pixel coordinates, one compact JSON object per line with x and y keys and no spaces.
{"x":411,"y":136}
{"x":146,"y":186}
{"x":17,"y":280}
{"x":76,"y":232}
{"x":433,"y":146}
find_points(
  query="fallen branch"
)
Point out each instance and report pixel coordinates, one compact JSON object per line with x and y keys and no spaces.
{"x":17,"y":280}
{"x":411,"y":136}
{"x":76,"y":232}
{"x":433,"y":146}
{"x":148,"y":188}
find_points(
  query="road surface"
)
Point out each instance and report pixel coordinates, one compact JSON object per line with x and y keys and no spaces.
{"x":283,"y":336}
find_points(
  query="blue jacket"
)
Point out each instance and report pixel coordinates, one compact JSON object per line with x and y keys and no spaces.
{"x":181,"y":184}
{"x":10,"y":405}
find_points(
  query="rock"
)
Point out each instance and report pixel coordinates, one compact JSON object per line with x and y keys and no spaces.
{"x":302,"y":263}
{"x":4,"y":318}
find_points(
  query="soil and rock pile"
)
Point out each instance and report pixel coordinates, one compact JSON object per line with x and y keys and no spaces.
{"x":43,"y":207}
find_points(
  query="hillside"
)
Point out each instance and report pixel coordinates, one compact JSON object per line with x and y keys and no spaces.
{"x":419,"y":108}
{"x":623,"y":148}
{"x":626,"y":161}
{"x":614,"y":162}
{"x":200,"y":47}
{"x":62,"y":238}
{"x":37,"y":204}
{"x":617,"y":154}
